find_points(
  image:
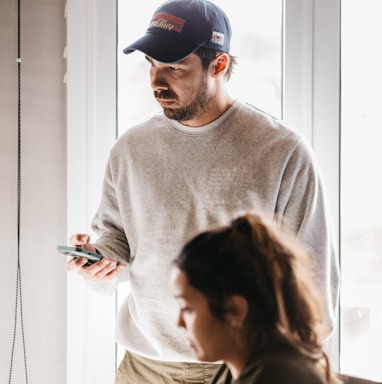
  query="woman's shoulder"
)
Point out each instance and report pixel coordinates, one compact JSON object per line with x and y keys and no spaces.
{"x":282,"y":365}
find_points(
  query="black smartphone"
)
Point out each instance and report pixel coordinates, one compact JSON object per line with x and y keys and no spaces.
{"x":79,"y":252}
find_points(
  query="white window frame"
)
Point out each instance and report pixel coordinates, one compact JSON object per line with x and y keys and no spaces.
{"x":311,"y":94}
{"x":91,"y":131}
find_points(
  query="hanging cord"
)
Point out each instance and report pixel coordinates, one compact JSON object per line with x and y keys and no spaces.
{"x":19,"y":296}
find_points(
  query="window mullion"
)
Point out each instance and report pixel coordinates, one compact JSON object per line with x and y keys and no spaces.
{"x":311,"y":92}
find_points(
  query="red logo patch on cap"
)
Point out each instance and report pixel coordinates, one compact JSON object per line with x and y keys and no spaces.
{"x":167,"y":22}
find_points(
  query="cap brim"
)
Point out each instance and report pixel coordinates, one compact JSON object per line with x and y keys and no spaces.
{"x":161,"y":48}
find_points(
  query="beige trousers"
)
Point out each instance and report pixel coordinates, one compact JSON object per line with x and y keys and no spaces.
{"x":136,"y":369}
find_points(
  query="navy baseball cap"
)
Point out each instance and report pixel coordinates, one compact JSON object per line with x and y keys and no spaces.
{"x":180,"y":27}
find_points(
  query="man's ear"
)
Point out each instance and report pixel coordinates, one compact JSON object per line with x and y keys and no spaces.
{"x":236,"y":310}
{"x":220,"y":64}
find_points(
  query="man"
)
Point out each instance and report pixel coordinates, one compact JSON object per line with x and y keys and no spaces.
{"x":205,"y":160}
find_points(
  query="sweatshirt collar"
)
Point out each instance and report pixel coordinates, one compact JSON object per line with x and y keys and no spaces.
{"x":207,"y":128}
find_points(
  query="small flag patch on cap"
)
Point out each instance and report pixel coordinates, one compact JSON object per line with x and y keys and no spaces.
{"x":217,"y":38}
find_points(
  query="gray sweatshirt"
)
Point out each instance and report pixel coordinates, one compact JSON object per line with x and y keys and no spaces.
{"x":166,"y":182}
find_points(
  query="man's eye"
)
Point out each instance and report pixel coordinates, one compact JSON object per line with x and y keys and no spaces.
{"x":185,"y":309}
{"x":174,"y":68}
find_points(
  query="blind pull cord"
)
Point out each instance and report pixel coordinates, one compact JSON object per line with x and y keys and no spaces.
{"x":19,"y":296}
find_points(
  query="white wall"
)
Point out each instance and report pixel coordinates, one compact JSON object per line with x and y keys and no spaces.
{"x":43,"y":190}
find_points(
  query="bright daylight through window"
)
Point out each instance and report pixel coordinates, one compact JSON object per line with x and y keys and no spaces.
{"x":361,"y":189}
{"x":257,"y":43}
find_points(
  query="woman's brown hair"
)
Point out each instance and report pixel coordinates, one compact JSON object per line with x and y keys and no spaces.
{"x":253,"y":258}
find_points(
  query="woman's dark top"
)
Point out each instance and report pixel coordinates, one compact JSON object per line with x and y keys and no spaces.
{"x":280,"y":365}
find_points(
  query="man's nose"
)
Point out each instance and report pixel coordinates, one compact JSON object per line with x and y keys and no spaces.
{"x":158,"y":81}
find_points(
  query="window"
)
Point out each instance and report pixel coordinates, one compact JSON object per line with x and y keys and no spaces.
{"x":361,"y":190}
{"x":307,"y":88}
{"x":256,"y":42}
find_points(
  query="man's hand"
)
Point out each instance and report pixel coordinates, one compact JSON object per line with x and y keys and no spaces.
{"x":82,"y":240}
{"x":102,"y":270}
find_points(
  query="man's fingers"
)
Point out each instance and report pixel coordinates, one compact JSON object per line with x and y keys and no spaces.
{"x":75,"y":263}
{"x":104,"y":269}
{"x":79,"y":239}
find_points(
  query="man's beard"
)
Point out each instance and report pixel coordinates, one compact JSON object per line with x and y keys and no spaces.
{"x":195,"y":108}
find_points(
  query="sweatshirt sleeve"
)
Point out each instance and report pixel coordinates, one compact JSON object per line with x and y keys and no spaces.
{"x":303,"y":208}
{"x":107,"y":225}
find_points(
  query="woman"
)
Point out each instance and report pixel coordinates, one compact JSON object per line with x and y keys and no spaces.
{"x":247,"y":297}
